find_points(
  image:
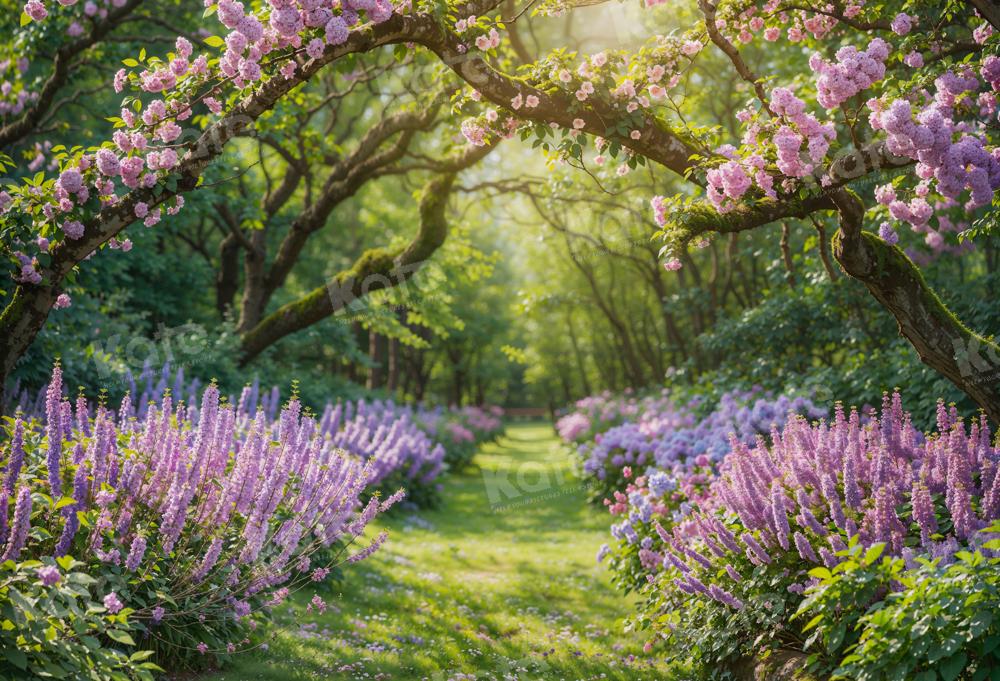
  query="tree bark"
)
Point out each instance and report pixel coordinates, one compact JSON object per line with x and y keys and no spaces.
{"x":578,"y":356}
{"x":227,"y":278}
{"x":786,"y":253}
{"x":376,"y":355}
{"x":989,"y":10}
{"x":392,"y":368}
{"x":376,"y":269}
{"x":944,"y":344}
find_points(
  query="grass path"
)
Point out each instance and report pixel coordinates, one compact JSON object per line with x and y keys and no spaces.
{"x":500,"y":582}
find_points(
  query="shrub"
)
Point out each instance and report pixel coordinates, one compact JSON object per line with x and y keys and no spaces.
{"x":398,"y":452}
{"x":50,"y":626}
{"x":876,"y":617}
{"x":196,"y":520}
{"x":671,"y":437}
{"x":402,"y":450}
{"x":734,"y":569}
{"x":461,"y":431}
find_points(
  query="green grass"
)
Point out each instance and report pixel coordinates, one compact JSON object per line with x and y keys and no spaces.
{"x":494,"y":587}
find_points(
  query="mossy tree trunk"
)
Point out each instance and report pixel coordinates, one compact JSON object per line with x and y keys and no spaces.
{"x":965,"y":358}
{"x":376,"y":269}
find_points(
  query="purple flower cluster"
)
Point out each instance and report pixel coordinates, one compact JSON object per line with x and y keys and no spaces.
{"x":599,"y":413}
{"x":669,"y":437}
{"x":943,"y":146}
{"x":404,"y":442}
{"x":225,"y":505}
{"x":855,"y":70}
{"x":797,"y":502}
{"x":388,"y":439}
{"x":573,"y":426}
{"x":658,"y":467}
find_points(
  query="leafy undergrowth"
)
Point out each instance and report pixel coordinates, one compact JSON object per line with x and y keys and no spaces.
{"x":485,"y":587}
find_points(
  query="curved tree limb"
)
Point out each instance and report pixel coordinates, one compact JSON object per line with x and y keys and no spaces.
{"x":30,"y":304}
{"x":343,"y":180}
{"x":375,"y":269}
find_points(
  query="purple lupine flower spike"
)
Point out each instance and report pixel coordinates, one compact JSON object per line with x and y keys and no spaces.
{"x":779,"y":515}
{"x":3,"y":516}
{"x":19,"y":526}
{"x":923,"y":511}
{"x":805,"y":548}
{"x":135,"y":554}
{"x":53,"y":413}
{"x":16,"y":457}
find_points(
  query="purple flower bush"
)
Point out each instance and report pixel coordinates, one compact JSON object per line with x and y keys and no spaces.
{"x":407,"y":447}
{"x":192,"y":521}
{"x":398,"y":452}
{"x":596,"y":414}
{"x":573,"y":427}
{"x":655,"y":470}
{"x":660,"y":434}
{"x":725,"y":574}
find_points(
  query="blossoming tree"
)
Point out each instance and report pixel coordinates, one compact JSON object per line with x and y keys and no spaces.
{"x":898,"y":96}
{"x":184,"y":111}
{"x":897,"y":101}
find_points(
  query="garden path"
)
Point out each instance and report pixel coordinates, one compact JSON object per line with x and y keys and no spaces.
{"x":500,"y":582}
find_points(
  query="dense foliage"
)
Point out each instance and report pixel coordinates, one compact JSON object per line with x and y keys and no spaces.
{"x":710,"y":220}
{"x":724,"y":546}
{"x":198,"y":518}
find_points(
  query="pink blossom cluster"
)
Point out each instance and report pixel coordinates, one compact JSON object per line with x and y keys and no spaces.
{"x":918,"y":212}
{"x":573,"y":426}
{"x":38,"y":10}
{"x":946,"y":155}
{"x":853,"y":72}
{"x":903,"y":23}
{"x":14,"y":95}
{"x":474,"y":132}
{"x":659,"y":205}
{"x":489,"y":41}
{"x":789,"y":130}
{"x":770,"y":19}
{"x":727,"y":184}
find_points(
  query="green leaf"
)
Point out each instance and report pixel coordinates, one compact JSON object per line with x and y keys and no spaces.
{"x":872,"y":554}
{"x":813,"y":622}
{"x":16,"y":656}
{"x":820,"y":573}
{"x":836,"y":637}
{"x":64,"y":502}
{"x":121,"y":636}
{"x":25,"y":20}
{"x":953,"y":666}
{"x":214,"y":41}
{"x":131,"y":63}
